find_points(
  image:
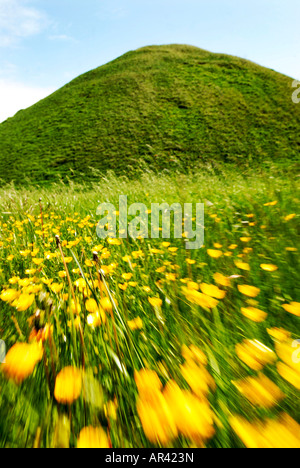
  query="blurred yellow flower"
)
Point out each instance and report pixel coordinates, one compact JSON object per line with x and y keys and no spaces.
{"x":250,"y":291}
{"x":21,"y":360}
{"x":135,"y":324}
{"x":68,"y":385}
{"x":155,"y":301}
{"x":242,"y":265}
{"x":279,"y":334}
{"x":289,"y":374}
{"x":213,"y":291}
{"x":56,"y":287}
{"x":254,"y":314}
{"x":92,"y":438}
{"x":255,"y":354}
{"x":290,"y":216}
{"x":194,"y":353}
{"x":221,"y":279}
{"x":9,"y":295}
{"x":193,"y":417}
{"x":157,"y":419}
{"x":147,"y":381}
{"x":268,"y":267}
{"x":214,"y":253}
{"x":260,"y":391}
{"x":198,"y":378}
{"x":195,"y":297}
{"x":292,"y":308}
{"x":23,"y":302}
{"x":272,"y":433}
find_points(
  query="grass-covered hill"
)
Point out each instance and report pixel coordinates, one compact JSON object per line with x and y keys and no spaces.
{"x":160,"y":105}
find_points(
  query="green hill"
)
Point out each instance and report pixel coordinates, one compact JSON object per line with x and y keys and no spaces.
{"x":160,"y":105}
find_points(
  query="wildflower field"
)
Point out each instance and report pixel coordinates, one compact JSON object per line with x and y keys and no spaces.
{"x":142,"y":343}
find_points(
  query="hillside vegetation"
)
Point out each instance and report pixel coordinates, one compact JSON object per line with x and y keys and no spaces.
{"x":157,"y":107}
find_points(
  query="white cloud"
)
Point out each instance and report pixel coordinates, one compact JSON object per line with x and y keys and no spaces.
{"x":61,"y":37}
{"x":19,"y":20}
{"x":15,"y":96}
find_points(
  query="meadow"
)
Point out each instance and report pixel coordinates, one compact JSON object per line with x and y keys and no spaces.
{"x":142,"y":343}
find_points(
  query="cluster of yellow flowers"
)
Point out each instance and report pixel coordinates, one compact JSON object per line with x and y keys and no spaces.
{"x":171,"y":411}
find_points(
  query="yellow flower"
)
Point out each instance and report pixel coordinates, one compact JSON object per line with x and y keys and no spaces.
{"x":110,"y":410}
{"x":260,"y":391}
{"x":195,"y":297}
{"x":221,"y":279}
{"x":290,"y":216}
{"x":242,"y":265}
{"x":157,"y":419}
{"x":268,"y":267}
{"x":247,"y":432}
{"x":213,"y":291}
{"x":88,"y":263}
{"x":21,"y":360}
{"x":245,"y":239}
{"x":214,"y":253}
{"x":91,"y":306}
{"x":255,"y":354}
{"x":135,"y":324}
{"x":56,"y":287}
{"x":198,"y":378}
{"x":233,"y":246}
{"x":250,"y":291}
{"x":194,"y":353}
{"x":9,"y":295}
{"x":114,"y":241}
{"x":74,"y":307}
{"x":10,"y":258}
{"x":289,"y":353}
{"x":68,"y":385}
{"x":279,"y":334}
{"x":23,"y":302}
{"x":166,"y":244}
{"x":217,"y":246}
{"x":37,"y":261}
{"x":273,"y":433}
{"x":14,"y":280}
{"x":189,"y":261}
{"x":30,"y":272}
{"x":289,"y":374}
{"x":147,"y":381}
{"x":155,"y":301}
{"x":192,"y":285}
{"x":273,"y":203}
{"x":92,"y":438}
{"x":193,"y":417}
{"x":292,"y":308}
{"x":127,"y":276}
{"x":106,"y":304}
{"x":256,"y":315}
{"x":62,"y":274}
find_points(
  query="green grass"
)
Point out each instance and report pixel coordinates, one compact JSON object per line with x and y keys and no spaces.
{"x":159,"y":107}
{"x":29,"y":412}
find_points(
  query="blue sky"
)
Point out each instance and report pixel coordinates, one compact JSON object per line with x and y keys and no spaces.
{"x":46,"y":43}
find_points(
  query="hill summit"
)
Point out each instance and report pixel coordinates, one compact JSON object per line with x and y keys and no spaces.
{"x":155,"y":107}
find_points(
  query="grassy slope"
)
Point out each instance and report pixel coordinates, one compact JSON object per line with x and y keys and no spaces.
{"x":165,"y":106}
